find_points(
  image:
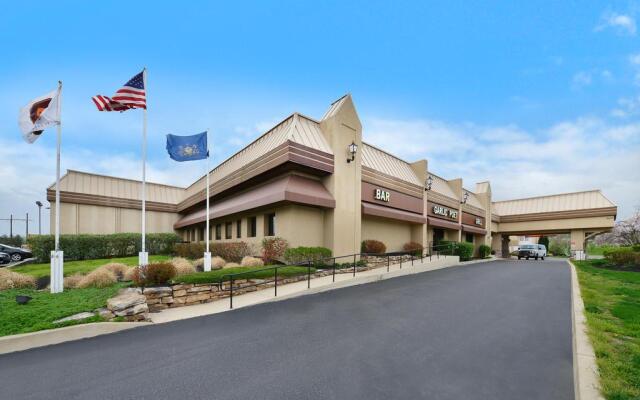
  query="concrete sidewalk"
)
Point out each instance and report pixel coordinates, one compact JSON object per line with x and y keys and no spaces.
{"x":300,"y":288}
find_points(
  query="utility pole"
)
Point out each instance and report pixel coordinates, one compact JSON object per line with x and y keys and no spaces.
{"x":26,"y":231}
{"x":11,"y":226}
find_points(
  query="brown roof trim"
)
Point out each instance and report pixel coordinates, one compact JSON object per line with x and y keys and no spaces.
{"x":473,"y":229}
{"x":592,"y":212}
{"x":75,"y":171}
{"x":441,"y":223}
{"x":391,"y":213}
{"x":439,"y":198}
{"x":107,"y":201}
{"x":289,"y":189}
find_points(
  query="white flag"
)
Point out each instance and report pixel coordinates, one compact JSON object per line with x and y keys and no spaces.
{"x":39,"y":114}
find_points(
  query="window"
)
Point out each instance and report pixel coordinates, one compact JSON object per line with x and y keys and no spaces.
{"x":227,"y":230}
{"x":218,"y":231}
{"x":438,"y":236}
{"x":201,"y":233}
{"x":239,"y":228}
{"x":251,"y":227}
{"x":270,"y":224}
{"x":468,"y":237}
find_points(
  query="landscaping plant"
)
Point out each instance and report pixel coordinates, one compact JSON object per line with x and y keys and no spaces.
{"x":99,"y":278}
{"x":15,"y":280}
{"x":371,"y":246}
{"x":273,"y":249}
{"x":182,"y":266}
{"x":249,"y":261}
{"x":156,"y":274}
{"x":484,"y":251}
{"x":413,"y":248}
{"x":300,"y":254}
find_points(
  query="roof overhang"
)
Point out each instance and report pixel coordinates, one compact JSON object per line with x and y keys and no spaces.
{"x":473,"y":229}
{"x":376,"y":210}
{"x":440,"y":223}
{"x":288,"y":189}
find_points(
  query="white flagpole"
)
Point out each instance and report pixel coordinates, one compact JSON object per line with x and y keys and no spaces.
{"x":57,"y":258}
{"x":207,"y":254}
{"x":143,"y":257}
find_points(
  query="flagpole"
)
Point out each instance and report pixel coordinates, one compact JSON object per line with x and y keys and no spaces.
{"x":57,"y":258}
{"x":143,"y":257}
{"x":207,"y":254}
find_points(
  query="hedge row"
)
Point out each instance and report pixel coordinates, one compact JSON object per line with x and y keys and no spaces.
{"x":301,"y":254}
{"x":462,"y":249}
{"x":88,"y":247}
{"x":623,"y":256}
{"x":230,"y":251}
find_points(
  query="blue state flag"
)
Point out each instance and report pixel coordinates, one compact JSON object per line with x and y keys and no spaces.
{"x":188,"y":148}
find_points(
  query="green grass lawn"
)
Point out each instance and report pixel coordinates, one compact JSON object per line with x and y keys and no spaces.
{"x":72,"y":267}
{"x":45,"y":308}
{"x":219,"y":275}
{"x":612,"y":307}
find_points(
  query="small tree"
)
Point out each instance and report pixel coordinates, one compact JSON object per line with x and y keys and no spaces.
{"x":273,"y":249}
{"x":545,"y":241}
{"x":627,"y":232}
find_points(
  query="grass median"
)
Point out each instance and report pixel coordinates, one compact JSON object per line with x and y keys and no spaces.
{"x":45,"y":308}
{"x":82,"y":266}
{"x":612,"y":308}
{"x":221,"y":275}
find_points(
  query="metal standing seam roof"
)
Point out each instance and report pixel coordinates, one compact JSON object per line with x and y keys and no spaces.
{"x":123,"y":188}
{"x":296,"y":128}
{"x":473,"y":200}
{"x":381,"y":161}
{"x":333,"y":108}
{"x":441,"y":185}
{"x":553,"y":203}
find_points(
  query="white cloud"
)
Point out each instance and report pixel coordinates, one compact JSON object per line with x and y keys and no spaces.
{"x":582,"y":154}
{"x":621,"y":23}
{"x":627,"y":107}
{"x":581,"y":79}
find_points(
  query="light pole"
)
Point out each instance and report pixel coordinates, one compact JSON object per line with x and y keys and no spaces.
{"x":39,"y":204}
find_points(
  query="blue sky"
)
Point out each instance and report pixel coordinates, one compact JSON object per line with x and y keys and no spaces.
{"x":538,"y":97}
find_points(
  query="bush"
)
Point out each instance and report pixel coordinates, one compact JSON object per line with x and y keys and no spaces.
{"x":98,"y":278}
{"x":484,"y":251}
{"x":622,"y":257}
{"x":156,"y":274}
{"x":231,"y":265}
{"x":182,"y":266}
{"x":414,"y":248}
{"x":300,"y":254}
{"x":231,"y":251}
{"x":14,"y":280}
{"x":273,"y":249}
{"x":15,"y":241}
{"x":463,"y":250}
{"x":217,"y":262}
{"x":129,"y":274}
{"x":373,"y":247}
{"x":249,"y":261}
{"x":87,"y":247}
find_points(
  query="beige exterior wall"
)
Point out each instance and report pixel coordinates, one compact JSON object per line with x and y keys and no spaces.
{"x":92,"y":219}
{"x":394,"y":234}
{"x":557,"y":225}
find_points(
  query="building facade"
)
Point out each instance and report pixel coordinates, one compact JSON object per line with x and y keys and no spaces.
{"x":303,"y":181}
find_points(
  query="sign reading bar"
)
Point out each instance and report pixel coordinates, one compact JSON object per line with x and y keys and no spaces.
{"x":381,"y":195}
{"x":445,"y":212}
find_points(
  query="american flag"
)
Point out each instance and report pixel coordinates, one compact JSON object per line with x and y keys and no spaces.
{"x":131,"y":95}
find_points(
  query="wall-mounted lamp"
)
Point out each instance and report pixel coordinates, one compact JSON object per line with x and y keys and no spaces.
{"x":353,"y":149}
{"x":429,"y":183}
{"x":465,"y":197}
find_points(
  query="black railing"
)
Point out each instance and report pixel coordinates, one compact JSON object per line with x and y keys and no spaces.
{"x":323,"y":263}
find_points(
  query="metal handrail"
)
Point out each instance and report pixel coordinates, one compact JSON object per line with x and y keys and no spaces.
{"x":308,"y":263}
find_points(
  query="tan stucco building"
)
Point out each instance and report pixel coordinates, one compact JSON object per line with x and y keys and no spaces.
{"x":299,"y":181}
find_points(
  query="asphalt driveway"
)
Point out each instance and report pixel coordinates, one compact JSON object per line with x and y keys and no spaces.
{"x":498,"y":330}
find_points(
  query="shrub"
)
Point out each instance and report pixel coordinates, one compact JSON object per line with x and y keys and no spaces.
{"x":249,"y":261}
{"x":622,"y":257}
{"x":86,"y":247}
{"x":189,"y":250}
{"x":129,"y":273}
{"x":217,"y":262}
{"x":463,"y":250}
{"x":414,"y":248}
{"x":301,"y":254}
{"x":117,"y":269}
{"x":156,"y":274}
{"x":373,"y":247}
{"x":484,"y":251}
{"x":15,"y":241}
{"x":182,"y":266}
{"x":15,"y":280}
{"x":231,"y":265}
{"x":273,"y":248}
{"x":98,"y":278}
{"x":72,"y":281}
{"x":199,"y":264}
{"x":231,"y":251}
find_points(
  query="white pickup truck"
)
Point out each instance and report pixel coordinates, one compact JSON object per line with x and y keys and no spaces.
{"x":532,"y":251}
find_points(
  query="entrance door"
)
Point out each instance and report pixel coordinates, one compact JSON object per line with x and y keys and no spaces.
{"x":438,"y":236}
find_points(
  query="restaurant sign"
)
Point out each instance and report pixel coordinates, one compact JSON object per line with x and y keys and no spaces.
{"x":445,"y":212}
{"x":381,"y":195}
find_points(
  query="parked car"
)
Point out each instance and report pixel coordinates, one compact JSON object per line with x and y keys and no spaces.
{"x":16,"y":253}
{"x":532,"y":251}
{"x":5,"y":258}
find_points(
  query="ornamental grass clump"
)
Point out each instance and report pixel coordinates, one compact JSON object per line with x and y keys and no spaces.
{"x":128,"y":274}
{"x":248,"y":261}
{"x":118,"y":269}
{"x":15,"y":280}
{"x":182,"y":266}
{"x":231,"y":265}
{"x":72,"y":281}
{"x":98,"y":278}
{"x":217,"y":262}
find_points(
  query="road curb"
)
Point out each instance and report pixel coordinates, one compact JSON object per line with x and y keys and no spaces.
{"x":586,"y":380}
{"x":25,"y":341}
